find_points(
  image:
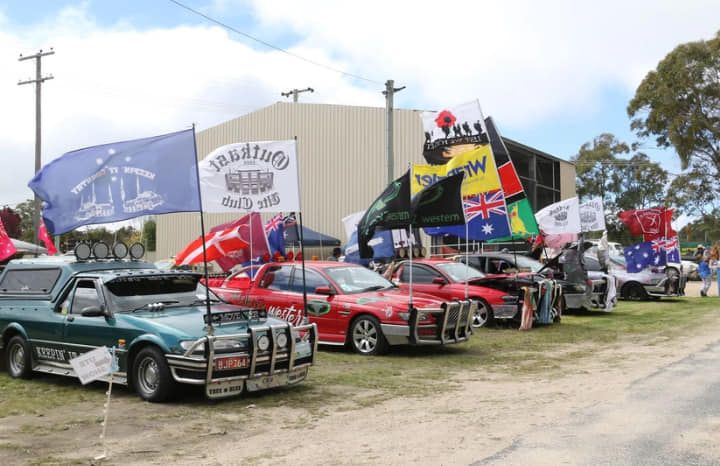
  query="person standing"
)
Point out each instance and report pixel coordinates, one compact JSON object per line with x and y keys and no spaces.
{"x":705,"y":274}
{"x":715,"y":263}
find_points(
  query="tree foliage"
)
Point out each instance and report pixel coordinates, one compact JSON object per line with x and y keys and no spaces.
{"x":595,"y":167}
{"x":149,"y":234}
{"x":679,"y":104}
{"x":26,"y":210}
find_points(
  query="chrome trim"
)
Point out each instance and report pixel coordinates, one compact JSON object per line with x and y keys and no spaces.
{"x":460,"y":329}
{"x":199,"y":363}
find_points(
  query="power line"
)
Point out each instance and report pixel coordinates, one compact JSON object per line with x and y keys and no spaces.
{"x":274,"y":47}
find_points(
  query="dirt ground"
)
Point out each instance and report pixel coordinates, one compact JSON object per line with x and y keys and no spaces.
{"x":481,"y":416}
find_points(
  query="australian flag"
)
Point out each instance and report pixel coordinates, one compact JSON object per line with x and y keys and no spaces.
{"x":275,"y":229}
{"x":119,"y":181}
{"x":647,"y":254}
{"x":486,"y":214}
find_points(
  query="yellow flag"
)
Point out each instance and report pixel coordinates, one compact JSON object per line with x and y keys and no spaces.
{"x":478,"y":164}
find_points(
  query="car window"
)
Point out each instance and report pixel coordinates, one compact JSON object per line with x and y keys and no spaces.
{"x":357,"y":279}
{"x":420,"y":274}
{"x":277,"y":279}
{"x":85,"y":296}
{"x":29,"y":281}
{"x":312,"y":280}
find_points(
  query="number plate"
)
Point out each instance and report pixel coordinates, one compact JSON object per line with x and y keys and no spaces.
{"x":277,"y":380}
{"x":233,"y":362}
{"x":224,"y":388}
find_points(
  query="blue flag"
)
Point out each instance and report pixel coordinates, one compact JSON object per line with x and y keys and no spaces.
{"x":643,"y":255}
{"x":275,"y":229}
{"x":119,"y":181}
{"x":381,"y":243}
{"x":486,"y":215}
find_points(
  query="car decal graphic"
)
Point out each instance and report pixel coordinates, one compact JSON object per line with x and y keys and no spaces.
{"x":316,"y":307}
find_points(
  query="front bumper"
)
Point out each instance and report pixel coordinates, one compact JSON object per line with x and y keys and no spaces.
{"x":453,"y":324}
{"x":262,"y":369}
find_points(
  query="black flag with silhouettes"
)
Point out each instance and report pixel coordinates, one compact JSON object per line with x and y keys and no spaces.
{"x":440,"y":204}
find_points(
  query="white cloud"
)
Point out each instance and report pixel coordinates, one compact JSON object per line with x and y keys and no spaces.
{"x":527,"y":62}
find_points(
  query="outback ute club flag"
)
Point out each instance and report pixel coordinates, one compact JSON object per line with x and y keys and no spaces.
{"x":119,"y":181}
{"x":251,"y":177}
{"x":592,"y":215}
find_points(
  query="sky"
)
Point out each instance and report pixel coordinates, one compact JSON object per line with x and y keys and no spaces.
{"x":553,"y":74}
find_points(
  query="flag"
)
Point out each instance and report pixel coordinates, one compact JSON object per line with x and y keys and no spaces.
{"x":486,"y":213}
{"x":672,"y":248}
{"x":643,"y":255}
{"x":450,"y":131}
{"x":7,"y":248}
{"x":46,"y":239}
{"x":440,"y":204}
{"x":649,"y":223}
{"x":251,"y":177}
{"x":251,"y":231}
{"x":481,"y":185}
{"x":522,"y":220}
{"x":119,"y":181}
{"x":290,"y":227}
{"x":390,"y":210}
{"x":560,"y":217}
{"x":592,"y":215}
{"x":381,"y":244}
{"x":275,"y":229}
{"x":218,"y":243}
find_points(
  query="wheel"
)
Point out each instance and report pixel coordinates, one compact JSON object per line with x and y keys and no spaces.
{"x":19,"y":358}
{"x":366,"y":336}
{"x":635,"y":292}
{"x":483,"y":316}
{"x":151,"y":375}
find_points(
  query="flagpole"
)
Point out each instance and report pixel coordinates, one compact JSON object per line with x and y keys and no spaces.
{"x":410,"y":252}
{"x":301,"y":237}
{"x":467,"y":259}
{"x":209,"y":327}
{"x":251,"y":238}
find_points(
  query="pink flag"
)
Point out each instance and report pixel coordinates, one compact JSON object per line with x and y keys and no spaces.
{"x":7,"y":248}
{"x":45,"y":238}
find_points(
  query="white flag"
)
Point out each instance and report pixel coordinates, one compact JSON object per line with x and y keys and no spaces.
{"x":251,"y":177}
{"x":561,"y":217}
{"x":592,"y":215}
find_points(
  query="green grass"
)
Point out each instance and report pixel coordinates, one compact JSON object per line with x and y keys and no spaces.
{"x":349,"y":381}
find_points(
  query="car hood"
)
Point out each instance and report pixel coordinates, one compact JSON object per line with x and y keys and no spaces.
{"x":395,"y":297}
{"x":189,"y":321}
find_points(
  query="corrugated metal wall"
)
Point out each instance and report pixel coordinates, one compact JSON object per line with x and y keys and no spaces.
{"x":342,"y":159}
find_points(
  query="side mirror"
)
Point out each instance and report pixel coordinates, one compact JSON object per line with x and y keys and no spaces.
{"x":324,"y":290}
{"x":439,"y":281}
{"x":93,"y":311}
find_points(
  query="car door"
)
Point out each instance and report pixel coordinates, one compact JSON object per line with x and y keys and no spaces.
{"x":332,"y":326}
{"x":422,"y":280}
{"x":84,"y":333}
{"x":273,"y":291}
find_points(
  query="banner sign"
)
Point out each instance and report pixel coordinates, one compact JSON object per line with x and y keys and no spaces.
{"x":251,"y":177}
{"x":592,"y":215}
{"x":93,"y":365}
{"x":560,"y":217}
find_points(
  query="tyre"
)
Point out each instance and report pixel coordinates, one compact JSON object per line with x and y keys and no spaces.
{"x":634,"y":292}
{"x":483,"y":316}
{"x":18,"y":358}
{"x":151,"y":375}
{"x":366,"y":336}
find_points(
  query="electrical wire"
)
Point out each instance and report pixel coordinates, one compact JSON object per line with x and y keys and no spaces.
{"x":274,"y":47}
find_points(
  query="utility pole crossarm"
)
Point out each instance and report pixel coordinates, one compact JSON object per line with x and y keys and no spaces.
{"x":294,"y":93}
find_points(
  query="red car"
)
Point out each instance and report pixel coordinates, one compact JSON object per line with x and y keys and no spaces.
{"x":496,"y":298}
{"x":350,"y":305}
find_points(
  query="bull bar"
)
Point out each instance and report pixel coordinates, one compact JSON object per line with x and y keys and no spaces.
{"x":453,"y":322}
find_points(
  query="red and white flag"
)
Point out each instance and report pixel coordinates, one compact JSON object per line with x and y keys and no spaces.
{"x":46,"y":239}
{"x":7,"y":248}
{"x":218,"y":243}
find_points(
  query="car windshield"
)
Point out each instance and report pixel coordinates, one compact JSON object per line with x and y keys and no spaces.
{"x":459,"y":272}
{"x":527,"y":264}
{"x":357,"y":279}
{"x":137,"y":292}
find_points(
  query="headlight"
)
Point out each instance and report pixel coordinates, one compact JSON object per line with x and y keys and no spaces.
{"x":282,"y":340}
{"x":263,"y":343}
{"x":228,"y":345}
{"x":404,"y":315}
